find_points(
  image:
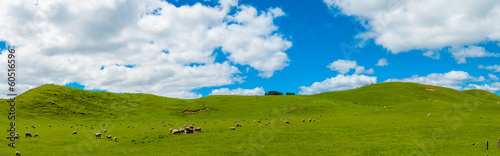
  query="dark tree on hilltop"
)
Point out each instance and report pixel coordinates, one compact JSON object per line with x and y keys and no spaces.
{"x":274,"y":93}
{"x":290,"y":93}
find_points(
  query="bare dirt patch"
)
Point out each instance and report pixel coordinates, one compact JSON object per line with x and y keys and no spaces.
{"x":430,"y":89}
{"x":196,"y":111}
{"x":296,"y":108}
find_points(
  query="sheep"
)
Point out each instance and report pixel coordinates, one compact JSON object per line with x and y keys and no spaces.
{"x":389,"y":106}
{"x":105,"y":131}
{"x":18,"y":153}
{"x":238,"y":125}
{"x":177,"y":131}
{"x":258,"y":121}
{"x":174,"y":131}
{"x":197,"y":130}
{"x":260,"y":125}
{"x":303,"y":120}
{"x":90,"y":132}
{"x":354,"y":114}
{"x":189,"y":130}
{"x":310,"y":120}
{"x":115,"y":139}
{"x":287,"y":122}
{"x":109,"y":137}
{"x":74,"y":132}
{"x":16,"y":135}
{"x":28,"y":134}
{"x":97,"y":135}
{"x":429,"y":114}
{"x":232,"y":128}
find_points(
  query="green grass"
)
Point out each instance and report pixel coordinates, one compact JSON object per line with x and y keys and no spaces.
{"x":456,"y":122}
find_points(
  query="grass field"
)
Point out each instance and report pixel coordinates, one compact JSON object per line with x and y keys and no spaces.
{"x":458,"y":119}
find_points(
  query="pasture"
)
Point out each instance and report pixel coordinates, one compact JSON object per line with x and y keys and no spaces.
{"x":458,"y":119}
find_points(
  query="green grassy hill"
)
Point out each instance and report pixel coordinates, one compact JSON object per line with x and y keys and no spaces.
{"x":458,"y":119}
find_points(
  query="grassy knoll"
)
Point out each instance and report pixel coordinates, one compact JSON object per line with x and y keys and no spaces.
{"x":457,"y":120}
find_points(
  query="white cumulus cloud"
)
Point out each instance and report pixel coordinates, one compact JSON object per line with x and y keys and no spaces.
{"x":146,"y":46}
{"x":493,"y":77}
{"x":460,"y":54}
{"x":339,"y":82}
{"x":495,"y":68}
{"x":238,"y":91}
{"x":401,"y":25}
{"x":452,"y":79}
{"x":432,"y":54}
{"x":493,"y":87}
{"x":382,"y":62}
{"x":344,"y":66}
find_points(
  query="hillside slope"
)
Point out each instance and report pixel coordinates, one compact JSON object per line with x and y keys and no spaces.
{"x":53,"y":101}
{"x":395,"y":93}
{"x":482,"y":94}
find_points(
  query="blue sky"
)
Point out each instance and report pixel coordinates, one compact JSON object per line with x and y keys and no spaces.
{"x":310,"y":47}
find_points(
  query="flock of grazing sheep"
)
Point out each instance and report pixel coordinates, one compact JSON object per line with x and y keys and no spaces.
{"x":183,"y":130}
{"x":97,"y":135}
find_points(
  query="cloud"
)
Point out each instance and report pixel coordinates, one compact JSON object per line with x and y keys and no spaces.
{"x":339,"y":82}
{"x":401,"y":26}
{"x":183,"y":94}
{"x":432,"y":54}
{"x":452,"y":79}
{"x":460,"y":54}
{"x":382,"y":62}
{"x":171,"y":50}
{"x":493,"y":77}
{"x":238,"y":91}
{"x":493,"y":87}
{"x":344,"y":66}
{"x":361,"y":70}
{"x":495,"y":68}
